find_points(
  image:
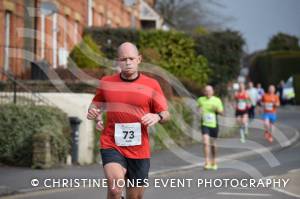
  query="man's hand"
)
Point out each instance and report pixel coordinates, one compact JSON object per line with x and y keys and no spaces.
{"x":217,"y":110}
{"x":93,"y":113}
{"x":99,"y":125}
{"x":150,"y":119}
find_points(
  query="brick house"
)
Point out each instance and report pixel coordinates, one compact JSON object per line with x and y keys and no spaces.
{"x":35,"y":30}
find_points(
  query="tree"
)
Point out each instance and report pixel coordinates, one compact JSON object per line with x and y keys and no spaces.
{"x":187,"y":15}
{"x":283,"y":41}
{"x":224,"y":51}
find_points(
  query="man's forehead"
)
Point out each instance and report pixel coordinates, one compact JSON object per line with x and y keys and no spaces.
{"x":127,"y":53}
{"x":127,"y":49}
{"x":208,"y":88}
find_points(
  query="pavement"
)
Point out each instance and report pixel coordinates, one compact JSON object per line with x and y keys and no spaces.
{"x":18,"y":180}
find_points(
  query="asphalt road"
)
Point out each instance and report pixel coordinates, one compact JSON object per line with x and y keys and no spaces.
{"x":189,"y":184}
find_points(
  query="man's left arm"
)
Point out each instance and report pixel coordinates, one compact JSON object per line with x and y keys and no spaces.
{"x":159,"y":112}
{"x":164,"y":116}
{"x":220,"y":108}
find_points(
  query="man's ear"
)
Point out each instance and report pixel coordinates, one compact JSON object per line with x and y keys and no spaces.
{"x":140,"y":58}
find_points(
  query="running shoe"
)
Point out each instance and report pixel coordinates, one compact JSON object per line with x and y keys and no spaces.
{"x":214,"y":167}
{"x":243,"y":140}
{"x":207,"y":167}
{"x":270,"y":137}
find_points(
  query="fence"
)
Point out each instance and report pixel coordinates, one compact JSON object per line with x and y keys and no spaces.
{"x":13,"y":91}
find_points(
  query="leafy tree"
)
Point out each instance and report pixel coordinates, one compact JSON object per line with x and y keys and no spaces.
{"x":283,"y":41}
{"x":224,"y":51}
{"x":177,"y":54}
{"x":187,"y":15}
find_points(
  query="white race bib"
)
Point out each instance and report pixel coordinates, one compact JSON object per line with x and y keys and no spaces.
{"x":209,"y":118}
{"x":269,"y":106}
{"x":128,"y":134}
{"x":242,"y":105}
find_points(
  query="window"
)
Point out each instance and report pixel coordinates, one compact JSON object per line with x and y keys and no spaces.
{"x":66,"y":19}
{"x":7,"y":40}
{"x":54,"y":39}
{"x":43,"y":29}
{"x":90,"y":12}
{"x":76,"y":32}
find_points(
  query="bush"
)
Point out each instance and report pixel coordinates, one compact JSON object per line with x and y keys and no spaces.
{"x":177,"y":54}
{"x":173,"y":129}
{"x":271,"y":67}
{"x":86,"y":54}
{"x":173,"y":51}
{"x":224,"y":51}
{"x":18,"y":124}
{"x":110,"y":39}
{"x":282,"y":42}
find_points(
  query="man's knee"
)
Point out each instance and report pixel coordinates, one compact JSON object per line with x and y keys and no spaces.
{"x":113,"y":189}
{"x":206,"y":139}
{"x":115,"y":174}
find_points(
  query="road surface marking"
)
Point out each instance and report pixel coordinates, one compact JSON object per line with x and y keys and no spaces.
{"x":244,"y":194}
{"x":286,"y":192}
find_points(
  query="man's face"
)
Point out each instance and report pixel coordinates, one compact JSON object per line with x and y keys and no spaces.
{"x":242,"y":87}
{"x":128,"y":59}
{"x":271,"y":89}
{"x":208,"y":91}
{"x":258,"y":85}
{"x":250,"y":85}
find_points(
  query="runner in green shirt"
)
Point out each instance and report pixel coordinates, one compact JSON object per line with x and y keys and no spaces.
{"x":210,"y":106}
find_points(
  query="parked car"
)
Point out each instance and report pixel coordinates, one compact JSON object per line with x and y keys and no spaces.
{"x":288,"y":92}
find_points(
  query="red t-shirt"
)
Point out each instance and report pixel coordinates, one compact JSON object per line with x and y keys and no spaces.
{"x":242,"y":99}
{"x":126,"y":102}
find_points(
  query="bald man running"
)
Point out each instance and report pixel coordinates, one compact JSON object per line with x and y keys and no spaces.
{"x":210,"y":106}
{"x":133,"y":102}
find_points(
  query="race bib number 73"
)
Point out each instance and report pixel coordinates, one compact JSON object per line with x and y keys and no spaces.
{"x":128,"y":134}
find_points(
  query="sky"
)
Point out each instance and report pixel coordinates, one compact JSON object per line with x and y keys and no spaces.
{"x":259,"y":20}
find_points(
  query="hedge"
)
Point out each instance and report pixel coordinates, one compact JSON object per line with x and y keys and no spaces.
{"x":271,"y":67}
{"x":173,"y":51}
{"x":18,"y":124}
{"x":173,"y":129}
{"x":86,"y":54}
{"x":177,"y":55}
{"x":194,"y":59}
{"x":109,"y":39}
{"x":224,"y":50}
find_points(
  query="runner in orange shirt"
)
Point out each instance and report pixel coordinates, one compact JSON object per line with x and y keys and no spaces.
{"x":270,"y":101}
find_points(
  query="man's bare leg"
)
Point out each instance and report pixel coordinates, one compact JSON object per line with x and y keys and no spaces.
{"x":206,"y":147}
{"x":213,"y":151}
{"x":135,"y":192}
{"x":114,"y":172}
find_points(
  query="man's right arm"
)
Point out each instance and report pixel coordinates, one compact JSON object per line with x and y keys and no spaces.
{"x":93,"y":112}
{"x":95,"y":108}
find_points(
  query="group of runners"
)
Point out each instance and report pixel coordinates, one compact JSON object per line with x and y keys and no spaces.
{"x":246,"y":102}
{"x":133,"y":102}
